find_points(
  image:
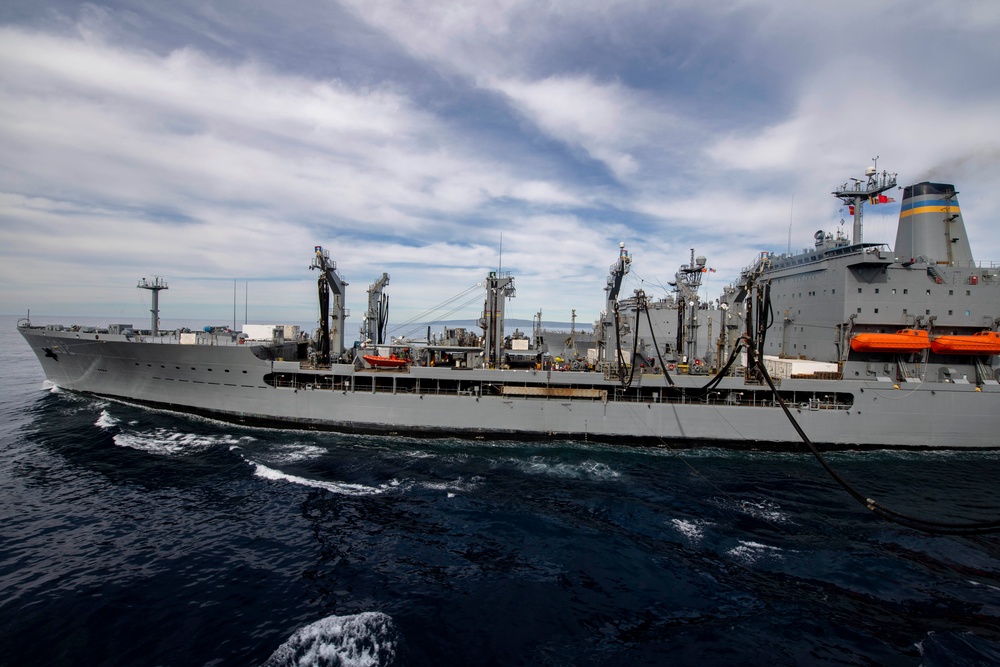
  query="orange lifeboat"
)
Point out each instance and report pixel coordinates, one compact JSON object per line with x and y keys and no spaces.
{"x":903,"y":341}
{"x":391,"y":361}
{"x":983,"y":342}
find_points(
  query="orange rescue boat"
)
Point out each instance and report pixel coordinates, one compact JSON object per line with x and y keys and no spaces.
{"x":384,"y":362}
{"x":983,"y":342}
{"x":903,"y":341}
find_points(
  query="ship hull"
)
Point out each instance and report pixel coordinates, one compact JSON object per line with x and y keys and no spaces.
{"x":231,"y":383}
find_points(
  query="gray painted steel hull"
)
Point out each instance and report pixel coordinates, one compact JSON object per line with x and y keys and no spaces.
{"x":230,"y":383}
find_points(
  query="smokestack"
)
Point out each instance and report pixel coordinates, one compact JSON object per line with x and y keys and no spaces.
{"x":931,"y":225}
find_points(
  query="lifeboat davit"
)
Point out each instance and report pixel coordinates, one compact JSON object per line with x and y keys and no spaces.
{"x":391,"y":361}
{"x":903,"y":341}
{"x":983,"y":342}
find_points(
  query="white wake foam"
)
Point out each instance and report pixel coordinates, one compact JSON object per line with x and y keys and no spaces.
{"x":343,"y":488}
{"x":692,"y":530}
{"x":169,"y":443}
{"x":106,"y":421}
{"x":750,"y":552}
{"x":296,"y":451}
{"x":363,"y":640}
{"x":765,"y":509}
{"x":459,"y":484}
{"x":538,"y":465}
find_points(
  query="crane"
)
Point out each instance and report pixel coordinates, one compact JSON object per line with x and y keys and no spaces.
{"x":331,"y":343}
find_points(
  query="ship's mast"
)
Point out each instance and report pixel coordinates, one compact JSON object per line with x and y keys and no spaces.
{"x":687,"y":281}
{"x":154,"y":287}
{"x":497,"y":288}
{"x":572,"y":332}
{"x":856,"y":192}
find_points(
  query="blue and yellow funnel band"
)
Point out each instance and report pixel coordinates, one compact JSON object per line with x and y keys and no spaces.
{"x":929,"y":206}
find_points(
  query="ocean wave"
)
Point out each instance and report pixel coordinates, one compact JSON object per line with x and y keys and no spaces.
{"x":296,"y":451}
{"x":749,"y":553}
{"x":957,"y":648}
{"x":539,"y":465}
{"x":171,"y":443}
{"x":692,"y":530}
{"x":342,"y":488}
{"x":880,"y":456}
{"x":368,"y":639}
{"x":978,"y":583}
{"x":765,"y":510}
{"x":419,"y":454}
{"x":459,"y":484}
{"x":106,"y":421}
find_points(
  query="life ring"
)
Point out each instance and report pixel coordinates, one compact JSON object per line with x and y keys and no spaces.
{"x":671,"y":367}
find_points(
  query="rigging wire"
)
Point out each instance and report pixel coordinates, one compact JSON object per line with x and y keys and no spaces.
{"x":656,"y":282}
{"x":421,"y":317}
{"x":444,"y":303}
{"x":443,"y":316}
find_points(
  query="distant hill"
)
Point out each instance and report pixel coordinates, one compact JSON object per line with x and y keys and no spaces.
{"x":472,"y":325}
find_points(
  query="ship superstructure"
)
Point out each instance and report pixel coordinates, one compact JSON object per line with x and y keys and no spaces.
{"x":840,"y":291}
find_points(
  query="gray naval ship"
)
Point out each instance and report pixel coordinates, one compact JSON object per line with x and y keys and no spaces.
{"x":869,"y":347}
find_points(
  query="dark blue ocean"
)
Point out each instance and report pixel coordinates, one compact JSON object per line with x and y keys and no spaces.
{"x":136,"y":537}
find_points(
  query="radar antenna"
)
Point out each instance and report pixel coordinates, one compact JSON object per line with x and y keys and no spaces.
{"x":857,"y":191}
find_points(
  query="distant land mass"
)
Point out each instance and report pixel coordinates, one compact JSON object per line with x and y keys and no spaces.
{"x":510,"y":324}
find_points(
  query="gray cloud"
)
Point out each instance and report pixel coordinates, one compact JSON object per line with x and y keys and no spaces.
{"x":205,"y":144}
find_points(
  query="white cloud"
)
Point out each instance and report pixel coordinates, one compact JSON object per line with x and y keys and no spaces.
{"x":182,"y":142}
{"x":606,"y":121}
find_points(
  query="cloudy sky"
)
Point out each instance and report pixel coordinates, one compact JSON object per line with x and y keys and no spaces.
{"x":210,"y":142}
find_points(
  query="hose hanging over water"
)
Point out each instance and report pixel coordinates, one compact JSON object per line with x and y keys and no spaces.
{"x":656,"y":346}
{"x":626,"y":383}
{"x":763,"y":306}
{"x":696,"y":392}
